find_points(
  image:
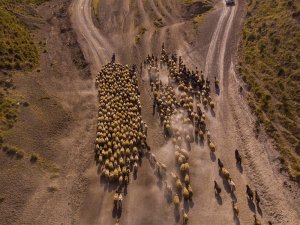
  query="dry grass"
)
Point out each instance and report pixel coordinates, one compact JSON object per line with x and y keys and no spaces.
{"x":17,"y":52}
{"x":8,"y":111}
{"x":46,"y":165}
{"x":270,"y":66}
{"x":206,"y":6}
{"x":16,"y":44}
{"x":13,"y":151}
{"x":96,"y":5}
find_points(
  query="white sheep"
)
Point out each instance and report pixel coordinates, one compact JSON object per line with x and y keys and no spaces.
{"x":232,"y":184}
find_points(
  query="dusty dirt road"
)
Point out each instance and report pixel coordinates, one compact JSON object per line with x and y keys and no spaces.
{"x":211,"y":47}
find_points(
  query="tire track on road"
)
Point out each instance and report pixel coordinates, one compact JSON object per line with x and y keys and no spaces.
{"x":213,"y":43}
{"x":97,"y":44}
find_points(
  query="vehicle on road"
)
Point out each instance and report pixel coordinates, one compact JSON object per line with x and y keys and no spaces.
{"x":229,"y":2}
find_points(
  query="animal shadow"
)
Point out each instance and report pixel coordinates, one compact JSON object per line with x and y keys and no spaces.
{"x":135,"y":175}
{"x":186,"y":206}
{"x":217,"y":90}
{"x":226,"y":185}
{"x":233,"y":197}
{"x":236,"y":220}
{"x":259,"y":210}
{"x":213,"y":113}
{"x":176,"y":214}
{"x":212,"y":156}
{"x":239,"y":167}
{"x":117,"y":212}
{"x":218,"y":198}
{"x":251,"y":205}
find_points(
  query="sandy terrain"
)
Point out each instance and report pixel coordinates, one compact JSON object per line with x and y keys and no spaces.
{"x":212,"y":48}
{"x":63,"y":104}
{"x":60,"y":96}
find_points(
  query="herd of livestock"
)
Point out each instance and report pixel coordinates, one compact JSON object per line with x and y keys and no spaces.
{"x":180,"y":99}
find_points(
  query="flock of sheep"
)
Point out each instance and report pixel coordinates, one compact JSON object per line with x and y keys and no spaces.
{"x":178,"y":98}
{"x":121,"y":132}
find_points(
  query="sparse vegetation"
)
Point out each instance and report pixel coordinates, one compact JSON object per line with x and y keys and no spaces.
{"x":96,"y":4}
{"x":140,"y":34}
{"x":158,"y":23}
{"x":54,"y":175}
{"x":13,"y":151}
{"x":17,"y":48}
{"x":205,"y":7}
{"x":8,"y":111}
{"x":34,"y":157}
{"x":44,"y":164}
{"x":52,"y":189}
{"x":270,"y":66}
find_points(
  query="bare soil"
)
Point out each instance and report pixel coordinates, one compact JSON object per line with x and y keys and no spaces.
{"x":57,"y":124}
{"x":60,"y":122}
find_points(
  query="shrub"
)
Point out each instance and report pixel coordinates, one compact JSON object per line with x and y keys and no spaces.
{"x":34,"y":157}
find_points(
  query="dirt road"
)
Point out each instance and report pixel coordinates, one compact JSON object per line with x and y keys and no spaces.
{"x":213,"y":48}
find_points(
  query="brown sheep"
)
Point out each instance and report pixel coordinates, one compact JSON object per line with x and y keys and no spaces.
{"x":235,"y":209}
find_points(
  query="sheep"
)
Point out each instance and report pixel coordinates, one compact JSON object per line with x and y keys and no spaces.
{"x":191,"y":193}
{"x":225,"y":173}
{"x":184,"y":153}
{"x":208,"y":135}
{"x":212,"y":146}
{"x":176,"y":200}
{"x":181,"y":159}
{"x":178,"y":184}
{"x":184,"y":216}
{"x":238,"y":157}
{"x":161,"y":168}
{"x":184,"y":168}
{"x":117,"y":93}
{"x":201,"y":135}
{"x":249,"y":192}
{"x":120,"y":200}
{"x":116,"y":197}
{"x":152,"y":158}
{"x":212,"y":105}
{"x":220,"y":164}
{"x":188,"y":139}
{"x":232,"y":185}
{"x":186,"y":194}
{"x":216,"y":83}
{"x":217,"y":188}
{"x":187,"y":179}
{"x":126,"y":179}
{"x":235,"y":209}
{"x":121,"y":180}
{"x":168,"y":188}
{"x":256,"y":221}
{"x":174,"y":176}
{"x":135,"y":167}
